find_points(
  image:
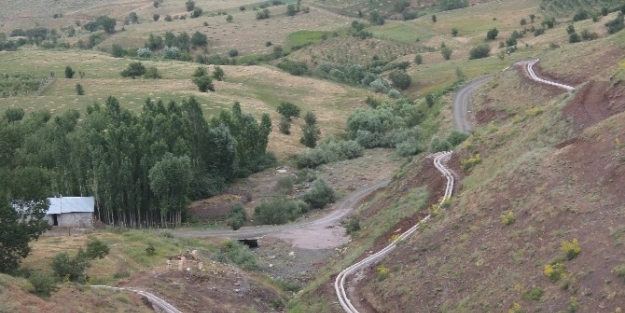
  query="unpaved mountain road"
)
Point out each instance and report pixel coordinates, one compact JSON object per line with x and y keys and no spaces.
{"x":339,"y":211}
{"x":462,"y":104}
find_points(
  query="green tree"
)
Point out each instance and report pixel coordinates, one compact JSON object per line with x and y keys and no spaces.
{"x":152,"y":72}
{"x":479,"y":51}
{"x":400,"y":79}
{"x":200,"y":71}
{"x":320,"y":194}
{"x":433,"y":18}
{"x":310,"y":131}
{"x":454,"y":32}
{"x":237,"y":216}
{"x":446,"y":52}
{"x":418,"y":59}
{"x":155,"y":17}
{"x":229,"y":18}
{"x":169,"y":181}
{"x":532,"y":17}
{"x":199,"y":40}
{"x":79,"y":90}
{"x":69,"y":72}
{"x":133,"y":70}
{"x":574,"y":37}
{"x":291,"y":10}
{"x":21,"y":217}
{"x":204,"y":83}
{"x":429,"y":99}
{"x":197,"y":12}
{"x":218,"y":73}
{"x":492,"y":34}
{"x":190,"y":5}
{"x":107,"y":23}
{"x":570,"y":29}
{"x":289,"y":110}
{"x":96,"y":249}
{"x":285,"y":126}
{"x":133,"y":17}
{"x":13,"y":115}
{"x":523,"y":21}
{"x":117,"y":51}
{"x":233,"y":52}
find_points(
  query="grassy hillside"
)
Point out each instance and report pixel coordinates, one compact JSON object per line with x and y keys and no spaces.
{"x":537,"y":224}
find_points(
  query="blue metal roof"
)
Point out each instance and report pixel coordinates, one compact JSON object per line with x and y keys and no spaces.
{"x":71,"y":205}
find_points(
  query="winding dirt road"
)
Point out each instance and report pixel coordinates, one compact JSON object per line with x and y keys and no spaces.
{"x":462,"y":104}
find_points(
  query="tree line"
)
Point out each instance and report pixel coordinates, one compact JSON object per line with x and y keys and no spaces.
{"x":141,"y":168}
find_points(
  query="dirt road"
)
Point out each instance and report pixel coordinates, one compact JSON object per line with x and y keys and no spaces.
{"x":299,"y":233}
{"x":462,"y":104}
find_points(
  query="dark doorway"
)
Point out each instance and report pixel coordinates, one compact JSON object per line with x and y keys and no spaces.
{"x":250,"y":243}
{"x":55,"y":220}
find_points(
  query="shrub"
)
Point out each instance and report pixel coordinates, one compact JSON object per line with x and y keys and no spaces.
{"x":152,"y":72}
{"x":171,"y":53}
{"x":237,"y":253}
{"x":42,"y":284}
{"x":480,"y":51}
{"x":555,"y":271}
{"x":329,"y":151}
{"x":409,"y":147}
{"x":418,"y":59}
{"x":320,"y":194}
{"x":616,"y":24}
{"x":285,"y":185}
{"x":539,"y":31}
{"x":155,"y":17}
{"x":455,"y":138}
{"x":379,"y":85}
{"x":400,"y":79}
{"x":352,"y":226}
{"x":168,"y":18}
{"x":580,"y":15}
{"x":261,"y":15}
{"x":150,"y":250}
{"x":117,"y":51}
{"x":533,"y":294}
{"x":200,"y":71}
{"x":79,"y":90}
{"x":237,"y":216}
{"x":204,"y":83}
{"x":218,"y":73}
{"x":446,"y":52}
{"x":507,"y":218}
{"x":197,"y":12}
{"x":96,"y":249}
{"x":394,"y":93}
{"x":190,"y":5}
{"x":69,"y":73}
{"x":470,"y":162}
{"x":492,"y":34}
{"x":293,"y":67}
{"x":289,"y":110}
{"x":233,"y":53}
{"x":133,"y":70}
{"x":285,"y":126}
{"x":279,"y":211}
{"x":571,"y":248}
{"x":144,"y":53}
{"x":438,"y":145}
{"x":574,"y":37}
{"x":383,"y":272}
{"x":67,"y":268}
{"x":620,"y":271}
{"x":454,"y":32}
{"x":588,"y":35}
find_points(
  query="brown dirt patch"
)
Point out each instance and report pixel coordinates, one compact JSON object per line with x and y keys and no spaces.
{"x":594,"y":102}
{"x":488,"y":115}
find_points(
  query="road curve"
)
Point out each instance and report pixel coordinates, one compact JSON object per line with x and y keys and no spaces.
{"x":530,"y":71}
{"x":341,"y":209}
{"x":341,"y":278}
{"x":462,"y":104}
{"x":158,"y":303}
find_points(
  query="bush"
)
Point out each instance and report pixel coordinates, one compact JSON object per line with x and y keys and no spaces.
{"x":616,"y":24}
{"x":171,"y":53}
{"x":237,"y":216}
{"x":470,"y":162}
{"x":394,"y":93}
{"x":293,"y":67}
{"x":67,"y":268}
{"x":507,"y":218}
{"x":285,"y":126}
{"x":144,"y":53}
{"x":204,"y":83}
{"x":400,"y":79}
{"x":133,"y":70}
{"x":554,"y":271}
{"x":320,"y":194}
{"x":480,"y":51}
{"x":79,"y":90}
{"x":492,"y":34}
{"x":533,"y":294}
{"x":455,"y":138}
{"x":620,"y":271}
{"x":352,"y":226}
{"x":571,"y":248}
{"x":200,"y":71}
{"x":329,"y":151}
{"x":446,"y":52}
{"x":289,"y":110}
{"x":43,"y":284}
{"x":454,"y":32}
{"x":418,"y":59}
{"x":155,"y":17}
{"x":574,"y":37}
{"x":438,"y":145}
{"x":168,"y":18}
{"x":117,"y":51}
{"x":69,"y":73}
{"x":409,"y":147}
{"x":237,"y":253}
{"x":152,"y":72}
{"x":218,"y":73}
{"x":96,"y":249}
{"x":261,"y":15}
{"x":197,"y":12}
{"x":150,"y":250}
{"x":279,"y":211}
{"x":233,"y":53}
{"x":588,"y":35}
{"x":379,"y":85}
{"x":190,"y":5}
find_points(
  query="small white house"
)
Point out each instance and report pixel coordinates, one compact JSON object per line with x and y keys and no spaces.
{"x":70,"y":211}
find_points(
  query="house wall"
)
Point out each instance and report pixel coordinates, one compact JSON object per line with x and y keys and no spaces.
{"x":72,"y":219}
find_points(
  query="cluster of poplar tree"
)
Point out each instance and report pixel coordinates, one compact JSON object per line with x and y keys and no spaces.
{"x":141,"y":168}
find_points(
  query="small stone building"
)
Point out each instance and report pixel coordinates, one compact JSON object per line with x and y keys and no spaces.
{"x":70,"y":211}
